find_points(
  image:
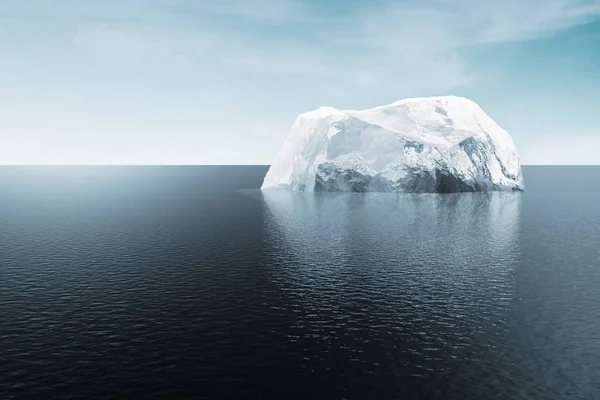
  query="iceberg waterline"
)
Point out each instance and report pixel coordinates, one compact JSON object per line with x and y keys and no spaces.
{"x":436,"y":144}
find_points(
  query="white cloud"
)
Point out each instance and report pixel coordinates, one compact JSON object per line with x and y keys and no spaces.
{"x":143,"y":45}
{"x":265,"y":11}
{"x":423,"y":42}
{"x":407,"y":45}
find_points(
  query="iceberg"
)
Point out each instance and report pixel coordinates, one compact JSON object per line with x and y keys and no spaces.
{"x":438,"y":144}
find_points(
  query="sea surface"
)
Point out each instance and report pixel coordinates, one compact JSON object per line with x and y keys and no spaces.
{"x":188,"y":282}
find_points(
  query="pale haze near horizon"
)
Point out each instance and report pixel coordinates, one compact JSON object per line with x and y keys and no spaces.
{"x":203,"y":82}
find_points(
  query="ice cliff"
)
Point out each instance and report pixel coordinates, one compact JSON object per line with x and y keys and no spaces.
{"x":436,"y":144}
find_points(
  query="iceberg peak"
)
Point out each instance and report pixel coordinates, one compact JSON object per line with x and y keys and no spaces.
{"x":320,"y":112}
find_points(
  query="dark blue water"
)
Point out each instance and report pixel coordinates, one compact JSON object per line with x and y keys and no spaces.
{"x":184,"y":282}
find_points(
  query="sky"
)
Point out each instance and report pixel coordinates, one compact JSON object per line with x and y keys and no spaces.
{"x":221,"y":82}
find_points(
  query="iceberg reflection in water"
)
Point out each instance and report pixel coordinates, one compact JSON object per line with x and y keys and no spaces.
{"x":414,"y":281}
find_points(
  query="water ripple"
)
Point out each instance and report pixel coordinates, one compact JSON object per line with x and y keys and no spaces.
{"x":144,"y":284}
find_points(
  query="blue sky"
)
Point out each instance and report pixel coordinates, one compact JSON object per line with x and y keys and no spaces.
{"x":221,"y":82}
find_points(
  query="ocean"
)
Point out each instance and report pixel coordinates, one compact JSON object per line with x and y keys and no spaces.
{"x":190,"y":283}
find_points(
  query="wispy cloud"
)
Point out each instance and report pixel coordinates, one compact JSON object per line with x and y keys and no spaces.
{"x":414,"y":45}
{"x":141,"y":45}
{"x":265,"y":11}
{"x":425,"y":41}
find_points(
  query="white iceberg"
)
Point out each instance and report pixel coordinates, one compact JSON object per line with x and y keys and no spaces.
{"x":435,"y":144}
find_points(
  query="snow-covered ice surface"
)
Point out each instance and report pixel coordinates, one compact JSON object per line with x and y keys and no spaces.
{"x":435,"y":144}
